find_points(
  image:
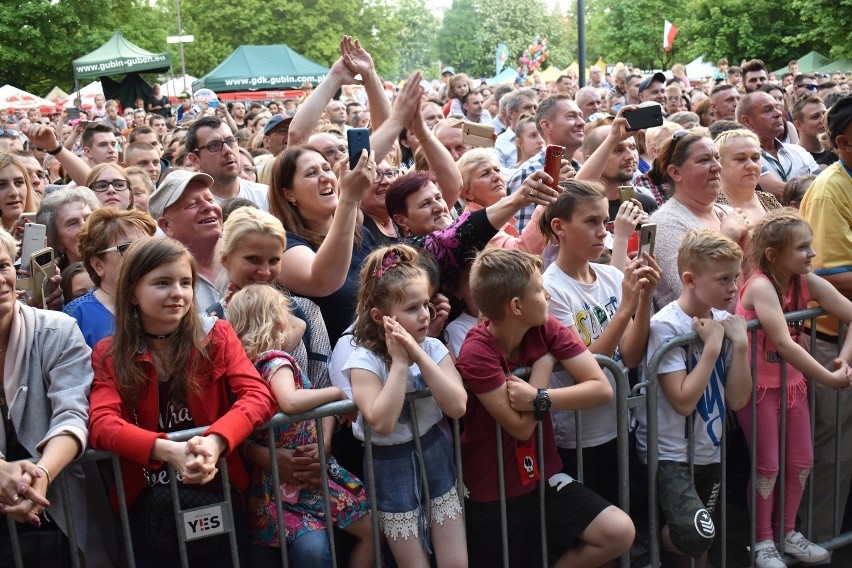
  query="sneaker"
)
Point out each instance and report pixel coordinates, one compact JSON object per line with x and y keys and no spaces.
{"x":797,"y":546}
{"x":767,"y":556}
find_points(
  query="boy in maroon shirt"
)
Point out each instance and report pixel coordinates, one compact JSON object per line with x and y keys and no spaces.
{"x":582,"y":528}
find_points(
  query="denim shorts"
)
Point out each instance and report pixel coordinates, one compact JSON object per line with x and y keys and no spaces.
{"x":398,"y":477}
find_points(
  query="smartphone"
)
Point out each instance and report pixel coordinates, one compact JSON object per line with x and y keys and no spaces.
{"x":480,"y":135}
{"x":73,"y":113}
{"x":31,"y":215}
{"x":34,"y":240}
{"x":626,"y":192}
{"x":647,"y":236}
{"x":43,"y":267}
{"x":553,"y":163}
{"x":359,"y":139}
{"x":644,"y":117}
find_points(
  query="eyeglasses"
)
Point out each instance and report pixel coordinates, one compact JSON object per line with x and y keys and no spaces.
{"x":333,"y":151}
{"x":120,"y":249}
{"x":810,"y":87}
{"x":389,"y":174}
{"x":249,"y":170}
{"x":103,"y":185}
{"x":216,"y":146}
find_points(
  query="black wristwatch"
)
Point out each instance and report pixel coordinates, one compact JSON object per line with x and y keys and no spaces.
{"x":541,"y":403}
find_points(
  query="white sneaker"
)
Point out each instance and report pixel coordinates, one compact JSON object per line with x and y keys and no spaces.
{"x":796,"y":545}
{"x":767,"y":556}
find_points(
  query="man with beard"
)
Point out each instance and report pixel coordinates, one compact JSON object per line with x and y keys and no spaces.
{"x":619,"y":168}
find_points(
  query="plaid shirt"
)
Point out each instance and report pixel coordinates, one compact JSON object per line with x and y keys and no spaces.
{"x":534,"y":164}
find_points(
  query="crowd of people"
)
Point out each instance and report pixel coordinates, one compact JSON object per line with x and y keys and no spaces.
{"x":215,"y":264}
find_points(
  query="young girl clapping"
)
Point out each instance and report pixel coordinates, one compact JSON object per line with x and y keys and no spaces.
{"x":395,"y":356}
{"x":782,"y":281}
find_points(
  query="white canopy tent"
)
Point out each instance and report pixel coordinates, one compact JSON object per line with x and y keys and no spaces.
{"x":177,"y":85}
{"x":699,"y":69}
{"x":86,"y":94}
{"x":15,"y":98}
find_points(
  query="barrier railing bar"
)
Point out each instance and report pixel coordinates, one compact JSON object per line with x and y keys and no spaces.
{"x":326,"y":498}
{"x":371,"y":484}
{"x":276,"y":491}
{"x":72,"y":531}
{"x":753,"y":441}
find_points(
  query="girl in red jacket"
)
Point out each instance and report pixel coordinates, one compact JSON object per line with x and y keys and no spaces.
{"x":167,"y":370}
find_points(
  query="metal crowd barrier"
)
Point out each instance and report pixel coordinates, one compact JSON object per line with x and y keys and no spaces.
{"x":627,"y":400}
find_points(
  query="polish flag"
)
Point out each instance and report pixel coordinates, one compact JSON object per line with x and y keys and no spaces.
{"x":669,"y":33}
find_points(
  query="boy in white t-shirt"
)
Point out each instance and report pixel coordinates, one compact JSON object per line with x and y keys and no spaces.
{"x":709,"y":265}
{"x":609,"y":311}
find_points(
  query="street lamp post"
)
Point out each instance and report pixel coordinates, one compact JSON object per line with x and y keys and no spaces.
{"x":181,"y":39}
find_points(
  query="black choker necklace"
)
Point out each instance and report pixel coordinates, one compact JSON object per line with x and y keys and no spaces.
{"x":156,"y":336}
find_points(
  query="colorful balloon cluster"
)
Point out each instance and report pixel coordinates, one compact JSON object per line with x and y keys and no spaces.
{"x":533,"y":57}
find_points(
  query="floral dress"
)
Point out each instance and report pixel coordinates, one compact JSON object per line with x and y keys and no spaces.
{"x":303,"y":509}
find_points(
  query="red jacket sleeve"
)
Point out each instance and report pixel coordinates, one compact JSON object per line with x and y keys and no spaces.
{"x":253,"y":403}
{"x":109,"y":428}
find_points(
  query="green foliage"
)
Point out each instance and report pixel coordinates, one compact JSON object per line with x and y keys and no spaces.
{"x":473,"y":29}
{"x":43,"y":37}
{"x":415,"y":31}
{"x":633,"y":32}
{"x":773,"y":31}
{"x":828,"y":22}
{"x":312,"y":28}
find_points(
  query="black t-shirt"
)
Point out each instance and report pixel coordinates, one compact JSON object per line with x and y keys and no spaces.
{"x":824,"y":158}
{"x":166,"y":111}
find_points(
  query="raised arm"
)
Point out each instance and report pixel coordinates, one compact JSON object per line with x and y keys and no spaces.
{"x":440,"y":160}
{"x":43,"y":136}
{"x":533,"y":191}
{"x":323,"y":272}
{"x":594,"y":165}
{"x":408,"y":101}
{"x":359,"y":61}
{"x":309,"y":112}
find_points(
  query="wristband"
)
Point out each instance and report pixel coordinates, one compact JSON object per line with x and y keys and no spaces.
{"x":55,"y":151}
{"x":46,"y":472}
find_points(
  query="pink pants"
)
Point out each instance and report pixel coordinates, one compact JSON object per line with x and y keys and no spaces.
{"x":800,"y":457}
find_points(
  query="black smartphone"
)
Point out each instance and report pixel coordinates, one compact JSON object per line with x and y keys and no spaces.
{"x":359,"y":139}
{"x":553,"y":163}
{"x":644,"y":117}
{"x":647,"y":236}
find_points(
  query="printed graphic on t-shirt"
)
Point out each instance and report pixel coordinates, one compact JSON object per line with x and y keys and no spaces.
{"x":592,"y":319}
{"x":710,"y":410}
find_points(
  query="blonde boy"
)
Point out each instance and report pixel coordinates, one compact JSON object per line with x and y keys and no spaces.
{"x":709,"y":267}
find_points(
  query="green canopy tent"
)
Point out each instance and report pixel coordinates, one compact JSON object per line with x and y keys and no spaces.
{"x":119,"y":57}
{"x":262,"y":67}
{"x":839,"y":66}
{"x":808,"y":63}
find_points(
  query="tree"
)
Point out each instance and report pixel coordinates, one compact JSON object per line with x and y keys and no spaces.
{"x":633,"y":32}
{"x":415,"y":34}
{"x":43,"y":37}
{"x":771,"y":32}
{"x":826,"y":22}
{"x":473,"y":29}
{"x":313,"y":29}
